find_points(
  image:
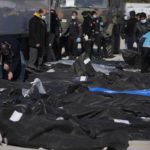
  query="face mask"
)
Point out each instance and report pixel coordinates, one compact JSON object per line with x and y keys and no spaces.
{"x":43,"y":17}
{"x":125,"y":18}
{"x":101,"y":23}
{"x":73,"y":17}
{"x":94,"y":16}
{"x":143,"y":21}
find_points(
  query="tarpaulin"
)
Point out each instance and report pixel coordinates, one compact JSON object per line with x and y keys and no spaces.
{"x":145,"y":92}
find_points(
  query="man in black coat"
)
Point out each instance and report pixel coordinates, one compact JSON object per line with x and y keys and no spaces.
{"x":142,"y":27}
{"x":37,"y":38}
{"x":141,"y":39}
{"x":54,"y":51}
{"x":73,"y":32}
{"x":97,"y":32}
{"x":129,"y":30}
{"x":87,"y":33}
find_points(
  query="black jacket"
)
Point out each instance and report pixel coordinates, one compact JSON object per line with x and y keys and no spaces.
{"x":131,"y":24}
{"x":141,"y":29}
{"x":74,"y":29}
{"x":87,"y":26}
{"x":55,"y":25}
{"x":96,"y":26}
{"x":37,"y":32}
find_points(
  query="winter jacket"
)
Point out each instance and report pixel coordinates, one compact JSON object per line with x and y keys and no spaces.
{"x":37,"y":32}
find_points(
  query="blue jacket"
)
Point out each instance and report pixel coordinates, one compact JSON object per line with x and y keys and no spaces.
{"x":146,"y":40}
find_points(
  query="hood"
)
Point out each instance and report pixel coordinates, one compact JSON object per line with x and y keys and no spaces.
{"x":37,"y":14}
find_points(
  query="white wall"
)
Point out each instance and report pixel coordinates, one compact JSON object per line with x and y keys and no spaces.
{"x":138,"y":7}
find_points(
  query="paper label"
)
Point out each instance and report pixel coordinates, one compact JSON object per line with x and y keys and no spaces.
{"x":145,"y":118}
{"x":83,"y":78}
{"x":59,"y":118}
{"x":51,"y":71}
{"x":86,"y":61}
{"x":2,"y":89}
{"x":122,"y":121}
{"x":16,"y":116}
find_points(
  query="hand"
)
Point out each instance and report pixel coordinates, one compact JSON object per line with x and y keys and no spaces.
{"x":37,"y":45}
{"x":6,"y":67}
{"x":86,"y":37}
{"x":135,"y":45}
{"x":10,"y":76}
{"x":78,"y":40}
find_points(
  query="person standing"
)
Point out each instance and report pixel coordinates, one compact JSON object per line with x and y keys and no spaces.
{"x":87,"y":33}
{"x":97,"y":31}
{"x":142,"y":38}
{"x":141,"y":28}
{"x":73,"y":31}
{"x":56,"y":31}
{"x":37,"y":39}
{"x":129,"y":30}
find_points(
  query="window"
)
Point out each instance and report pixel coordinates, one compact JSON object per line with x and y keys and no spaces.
{"x":84,"y":3}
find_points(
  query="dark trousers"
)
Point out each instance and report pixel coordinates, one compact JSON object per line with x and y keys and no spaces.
{"x":57,"y":48}
{"x":129,"y":41}
{"x":72,"y":47}
{"x":36,"y":56}
{"x":145,"y":61}
{"x":64,"y":43}
{"x":22,"y":69}
{"x":87,"y":47}
{"x":98,"y":42}
{"x":50,"y":55}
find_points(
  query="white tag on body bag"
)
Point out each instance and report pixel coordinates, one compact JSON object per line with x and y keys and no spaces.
{"x":122,"y":121}
{"x":16,"y":116}
{"x":86,"y":61}
{"x":83,"y":78}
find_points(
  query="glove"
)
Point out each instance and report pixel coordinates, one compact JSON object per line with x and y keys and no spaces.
{"x":101,"y":23}
{"x":135,"y":45}
{"x":78,"y":40}
{"x":86,"y":38}
{"x":37,"y":45}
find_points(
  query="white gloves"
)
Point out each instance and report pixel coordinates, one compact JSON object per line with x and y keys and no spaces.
{"x":86,"y":37}
{"x":135,"y":45}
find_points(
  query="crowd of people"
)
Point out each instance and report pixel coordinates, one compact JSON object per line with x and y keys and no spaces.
{"x":135,"y":30}
{"x":87,"y":33}
{"x":46,"y":45}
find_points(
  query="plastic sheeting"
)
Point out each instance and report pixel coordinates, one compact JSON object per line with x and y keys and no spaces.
{"x":70,"y":117}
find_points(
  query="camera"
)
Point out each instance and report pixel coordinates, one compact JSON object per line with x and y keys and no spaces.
{"x":5,"y":48}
